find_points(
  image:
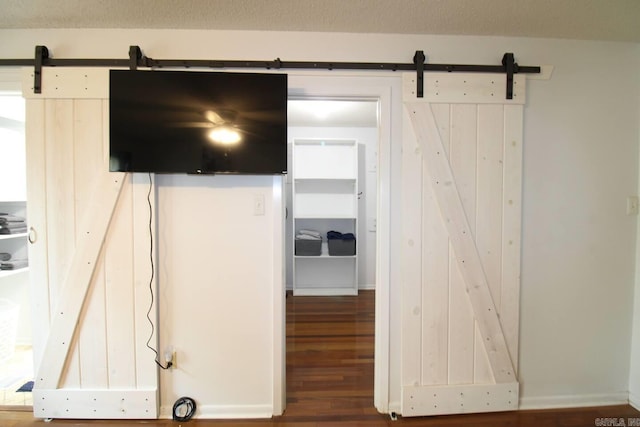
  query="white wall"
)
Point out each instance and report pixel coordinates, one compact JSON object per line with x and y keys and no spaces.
{"x":215,"y":275}
{"x":16,"y":289}
{"x":367,"y":175}
{"x":634,"y":376}
{"x":580,"y":163}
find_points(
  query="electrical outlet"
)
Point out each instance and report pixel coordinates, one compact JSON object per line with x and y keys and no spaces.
{"x":170,"y":357}
{"x":174,"y":360}
{"x":632,"y":205}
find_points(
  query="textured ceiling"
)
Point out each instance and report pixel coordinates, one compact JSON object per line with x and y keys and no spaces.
{"x":615,"y":20}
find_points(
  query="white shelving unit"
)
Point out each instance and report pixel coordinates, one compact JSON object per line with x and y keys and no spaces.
{"x":15,"y":244}
{"x":13,"y":191}
{"x":325,"y":198}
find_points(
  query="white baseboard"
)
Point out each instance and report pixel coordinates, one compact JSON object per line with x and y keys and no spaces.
{"x":224,"y":412}
{"x":634,"y":400}
{"x":574,"y":401}
{"x":367,"y":287}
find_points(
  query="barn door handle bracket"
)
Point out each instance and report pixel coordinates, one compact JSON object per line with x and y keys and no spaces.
{"x":42,"y":53}
{"x":418,"y":60}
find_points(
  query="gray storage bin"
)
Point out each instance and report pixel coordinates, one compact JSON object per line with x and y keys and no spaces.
{"x":339,"y":247}
{"x":308,"y":247}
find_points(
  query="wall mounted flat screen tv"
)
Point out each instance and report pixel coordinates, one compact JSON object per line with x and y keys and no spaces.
{"x":197,"y":122}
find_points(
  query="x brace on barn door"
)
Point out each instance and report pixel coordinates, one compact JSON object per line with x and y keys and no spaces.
{"x":137,"y":59}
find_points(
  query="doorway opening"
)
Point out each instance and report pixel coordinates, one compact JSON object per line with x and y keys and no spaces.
{"x":331,"y":192}
{"x":16,"y":358}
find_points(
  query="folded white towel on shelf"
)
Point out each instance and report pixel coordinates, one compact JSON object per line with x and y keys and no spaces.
{"x":310,"y":233}
{"x":300,"y":236}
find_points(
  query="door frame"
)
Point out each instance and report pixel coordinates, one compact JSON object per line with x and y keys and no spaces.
{"x":387,"y":91}
{"x":11,"y":85}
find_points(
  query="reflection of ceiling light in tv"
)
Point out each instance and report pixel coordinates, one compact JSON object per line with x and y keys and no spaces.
{"x":224,"y":135}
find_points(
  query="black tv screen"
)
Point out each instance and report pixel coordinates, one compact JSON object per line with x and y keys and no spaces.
{"x":197,"y":122}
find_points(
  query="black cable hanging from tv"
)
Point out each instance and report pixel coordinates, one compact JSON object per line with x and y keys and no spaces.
{"x":137,"y":59}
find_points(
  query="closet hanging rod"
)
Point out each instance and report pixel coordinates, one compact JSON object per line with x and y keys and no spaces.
{"x":137,"y":59}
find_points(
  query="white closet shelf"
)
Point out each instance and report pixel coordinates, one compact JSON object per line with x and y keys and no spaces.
{"x":325,"y":256}
{"x":325,"y":180}
{"x":325,"y":217}
{"x":7,"y":273}
{"x":12,"y":236}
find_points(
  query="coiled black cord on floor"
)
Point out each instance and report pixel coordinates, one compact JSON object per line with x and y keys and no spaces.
{"x":183,"y":409}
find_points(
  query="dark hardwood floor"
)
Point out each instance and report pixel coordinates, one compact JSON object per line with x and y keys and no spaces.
{"x":330,"y":344}
{"x":330,"y":380}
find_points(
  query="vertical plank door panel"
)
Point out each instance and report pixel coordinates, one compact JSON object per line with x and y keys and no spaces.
{"x":461,"y":320}
{"x":60,"y":197}
{"x":412,"y":261}
{"x":61,"y":218}
{"x":435,"y":276}
{"x":489,"y":196}
{"x":37,"y":221}
{"x":490,"y":127}
{"x":511,"y":228}
{"x":89,"y":169}
{"x":120,"y":316}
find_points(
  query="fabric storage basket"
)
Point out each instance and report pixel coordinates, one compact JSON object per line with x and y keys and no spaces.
{"x":8,"y":328}
{"x":308,"y":247}
{"x":339,"y":247}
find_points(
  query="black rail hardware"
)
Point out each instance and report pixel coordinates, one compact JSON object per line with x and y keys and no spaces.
{"x":418,"y":60}
{"x":135,"y":55}
{"x":42,"y":53}
{"x":137,"y":59}
{"x":510,"y":67}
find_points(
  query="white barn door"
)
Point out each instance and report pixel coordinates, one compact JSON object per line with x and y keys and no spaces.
{"x":89,"y":257}
{"x":461,"y":168}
